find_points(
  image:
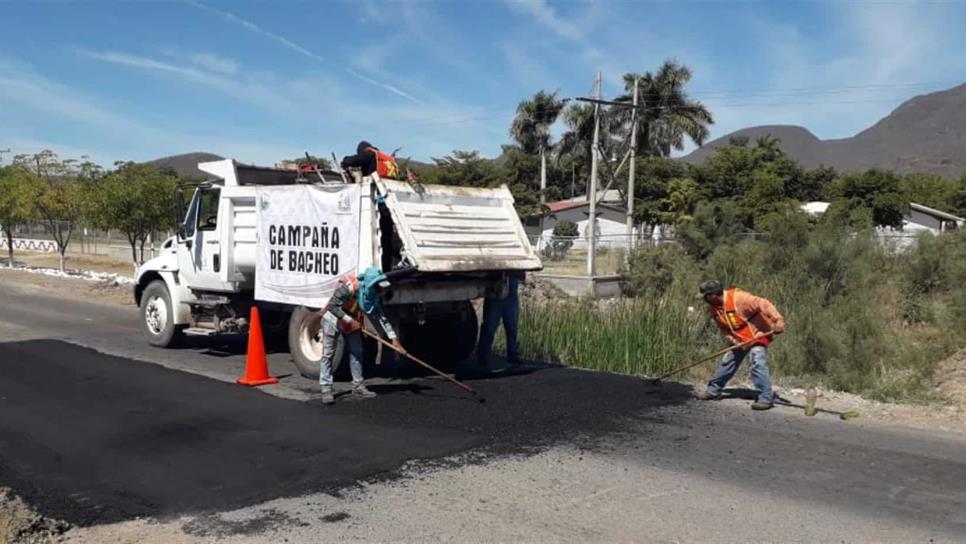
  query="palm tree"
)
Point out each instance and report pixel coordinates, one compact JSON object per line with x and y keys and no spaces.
{"x":531,"y":128}
{"x":668,"y":115}
{"x":577,"y":141}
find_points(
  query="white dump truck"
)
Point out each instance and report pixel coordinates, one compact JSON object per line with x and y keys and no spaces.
{"x":279,"y":240}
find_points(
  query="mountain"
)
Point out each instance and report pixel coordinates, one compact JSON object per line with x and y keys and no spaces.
{"x":924,"y":134}
{"x":186,"y":164}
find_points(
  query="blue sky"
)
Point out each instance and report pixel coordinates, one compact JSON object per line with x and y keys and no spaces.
{"x":262,"y":81}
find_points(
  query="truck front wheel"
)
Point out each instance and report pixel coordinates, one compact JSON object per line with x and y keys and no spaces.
{"x":157,"y":316}
{"x":304,"y":344}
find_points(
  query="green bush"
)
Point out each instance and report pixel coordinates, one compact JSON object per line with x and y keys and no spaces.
{"x":860,"y":316}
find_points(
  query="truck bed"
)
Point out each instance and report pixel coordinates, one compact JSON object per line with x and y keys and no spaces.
{"x":457,"y":229}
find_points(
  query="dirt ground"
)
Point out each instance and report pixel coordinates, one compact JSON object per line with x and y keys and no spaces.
{"x":104,"y":291}
{"x":75,"y":261}
{"x":19,"y":523}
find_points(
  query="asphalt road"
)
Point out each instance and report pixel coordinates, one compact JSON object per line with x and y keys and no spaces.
{"x":553,"y":454}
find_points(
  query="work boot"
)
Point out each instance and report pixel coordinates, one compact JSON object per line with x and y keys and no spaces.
{"x":704,"y":395}
{"x":360,"y":390}
{"x":761,"y":405}
{"x":327,"y":396}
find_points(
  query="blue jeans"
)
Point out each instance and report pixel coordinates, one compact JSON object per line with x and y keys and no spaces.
{"x":494,"y":311}
{"x":759,"y":372}
{"x":353,"y":341}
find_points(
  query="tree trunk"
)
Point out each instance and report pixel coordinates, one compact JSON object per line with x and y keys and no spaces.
{"x":134,"y":253}
{"x":9,"y":234}
{"x":62,"y":249}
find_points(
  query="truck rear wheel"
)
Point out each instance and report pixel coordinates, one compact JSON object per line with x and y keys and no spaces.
{"x":304,"y":345}
{"x":444,"y":339}
{"x":157,"y":316}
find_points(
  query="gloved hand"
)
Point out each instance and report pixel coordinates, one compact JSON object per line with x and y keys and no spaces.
{"x":349,"y":321}
{"x":398,"y":345}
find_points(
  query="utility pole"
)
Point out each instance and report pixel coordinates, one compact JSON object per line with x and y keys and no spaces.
{"x":630,"y":178}
{"x":543,"y":185}
{"x":592,"y":194}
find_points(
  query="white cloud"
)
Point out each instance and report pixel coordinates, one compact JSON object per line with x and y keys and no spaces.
{"x":262,"y":94}
{"x":215,"y":63}
{"x":21,"y":85}
{"x":230,"y":17}
{"x":289,"y":44}
{"x":544,"y":13}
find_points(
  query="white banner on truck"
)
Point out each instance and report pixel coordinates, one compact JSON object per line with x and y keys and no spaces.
{"x":308,"y":236}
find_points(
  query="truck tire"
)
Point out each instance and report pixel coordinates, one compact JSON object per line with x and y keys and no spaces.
{"x":157,"y":316}
{"x":306,"y":350}
{"x":443,"y":340}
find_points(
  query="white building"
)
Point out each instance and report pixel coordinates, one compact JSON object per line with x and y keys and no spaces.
{"x":919,"y":219}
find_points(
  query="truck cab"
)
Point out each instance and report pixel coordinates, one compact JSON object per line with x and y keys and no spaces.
{"x":458,"y":244}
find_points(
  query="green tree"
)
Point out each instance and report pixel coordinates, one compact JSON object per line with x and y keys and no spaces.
{"x":17,"y":197}
{"x":576,"y":142}
{"x":870,"y":198}
{"x":63,"y":190}
{"x":518,"y":171}
{"x":464,"y":168}
{"x":531,"y":125}
{"x":958,"y":201}
{"x":564,"y":234}
{"x":531,"y":128}
{"x":668,"y":115}
{"x":136,"y":200}
{"x":928,"y":190}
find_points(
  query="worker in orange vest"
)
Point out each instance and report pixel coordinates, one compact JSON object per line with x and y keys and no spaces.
{"x":748,"y":321}
{"x":369,"y":159}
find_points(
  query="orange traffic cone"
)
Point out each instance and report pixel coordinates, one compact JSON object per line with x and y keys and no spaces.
{"x":256,"y":364}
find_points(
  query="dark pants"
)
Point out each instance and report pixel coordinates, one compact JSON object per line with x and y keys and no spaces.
{"x":494,"y":310}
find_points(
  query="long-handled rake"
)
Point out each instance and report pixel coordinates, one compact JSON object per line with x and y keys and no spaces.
{"x":657,"y":380}
{"x":420,"y":362}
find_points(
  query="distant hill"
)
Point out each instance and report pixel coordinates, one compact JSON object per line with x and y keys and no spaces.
{"x":186,"y":164}
{"x":924,"y":134}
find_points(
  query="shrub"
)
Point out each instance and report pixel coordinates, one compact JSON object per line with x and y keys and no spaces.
{"x":564,"y":234}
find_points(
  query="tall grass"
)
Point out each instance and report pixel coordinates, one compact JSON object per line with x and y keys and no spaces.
{"x":859,"y":317}
{"x":631,"y":336}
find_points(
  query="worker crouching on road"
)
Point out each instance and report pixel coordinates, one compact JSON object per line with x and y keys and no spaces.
{"x":352,"y":301}
{"x":748,"y":321}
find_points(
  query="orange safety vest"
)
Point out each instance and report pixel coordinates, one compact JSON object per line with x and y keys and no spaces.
{"x":351,"y":307}
{"x":386,"y":165}
{"x":731,"y":320}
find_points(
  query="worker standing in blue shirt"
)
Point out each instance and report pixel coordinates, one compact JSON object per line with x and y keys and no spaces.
{"x":503,"y":307}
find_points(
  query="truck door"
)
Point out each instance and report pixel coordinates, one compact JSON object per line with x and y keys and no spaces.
{"x":199,"y":243}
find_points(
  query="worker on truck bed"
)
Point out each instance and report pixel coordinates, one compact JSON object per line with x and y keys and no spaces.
{"x":369,"y":159}
{"x":353,"y":299}
{"x":748,"y":321}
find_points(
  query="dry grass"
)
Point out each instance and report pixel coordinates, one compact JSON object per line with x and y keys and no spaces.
{"x":574,"y":263}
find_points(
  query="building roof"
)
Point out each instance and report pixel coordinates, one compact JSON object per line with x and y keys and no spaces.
{"x":564,"y":205}
{"x":936,"y":213}
{"x":818,"y":207}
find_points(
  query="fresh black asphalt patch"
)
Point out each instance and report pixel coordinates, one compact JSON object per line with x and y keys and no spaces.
{"x":92,"y":438}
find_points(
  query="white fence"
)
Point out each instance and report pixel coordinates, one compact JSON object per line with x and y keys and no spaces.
{"x":29,"y":244}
